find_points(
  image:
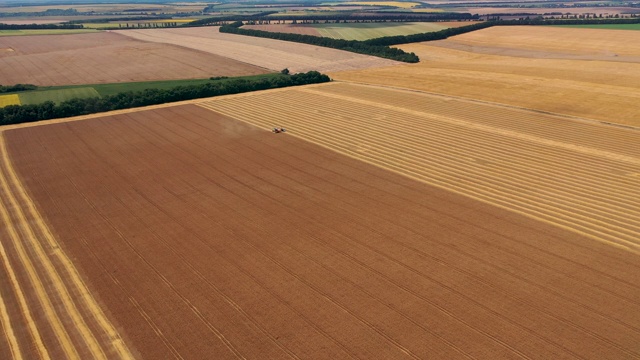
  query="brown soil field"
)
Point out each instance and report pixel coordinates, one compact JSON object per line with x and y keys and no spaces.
{"x":540,"y":165}
{"x":106,"y":58}
{"x":274,"y":54}
{"x":588,"y":73}
{"x":202,"y":236}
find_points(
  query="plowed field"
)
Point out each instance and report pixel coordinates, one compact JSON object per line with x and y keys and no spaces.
{"x":588,"y":73}
{"x":106,"y":58}
{"x":206,"y":237}
{"x":273,"y":54}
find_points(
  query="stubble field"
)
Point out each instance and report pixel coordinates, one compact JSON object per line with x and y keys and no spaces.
{"x":227,"y":241}
{"x":273,"y":54}
{"x":587,"y":73}
{"x":50,"y":60}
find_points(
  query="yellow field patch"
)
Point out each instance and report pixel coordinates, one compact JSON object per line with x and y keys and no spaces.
{"x":6,"y":100}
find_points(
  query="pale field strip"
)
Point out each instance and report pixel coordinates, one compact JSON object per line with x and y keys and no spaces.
{"x":586,"y":74}
{"x":594,"y":191}
{"x":266,"y":53}
{"x":56,"y":285}
{"x":567,"y":40}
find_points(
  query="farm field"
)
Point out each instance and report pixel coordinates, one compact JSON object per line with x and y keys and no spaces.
{"x":358,"y":31}
{"x":604,"y":26}
{"x":106,"y":58}
{"x":10,"y":99}
{"x":57,"y":96}
{"x":604,"y":10}
{"x":524,"y":161}
{"x":588,"y":73}
{"x":45,"y":32}
{"x":274,"y":54}
{"x":230,"y":241}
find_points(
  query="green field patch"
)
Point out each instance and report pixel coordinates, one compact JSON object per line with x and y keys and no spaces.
{"x":12,"y":99}
{"x":604,"y":26}
{"x":44,"y":32}
{"x":57,"y":95}
{"x":116,"y":88}
{"x":366,"y":31}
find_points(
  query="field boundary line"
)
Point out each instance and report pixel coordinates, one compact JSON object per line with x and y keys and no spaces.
{"x":496,"y":104}
{"x":142,"y":108}
{"x":62,"y":290}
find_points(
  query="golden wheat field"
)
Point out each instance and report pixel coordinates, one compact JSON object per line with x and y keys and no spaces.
{"x":575,"y":175}
{"x":586,"y":73}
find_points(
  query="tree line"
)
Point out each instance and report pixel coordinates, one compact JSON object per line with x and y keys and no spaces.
{"x":17,"y":88}
{"x":360,"y":47}
{"x":376,"y":47}
{"x":15,"y":114}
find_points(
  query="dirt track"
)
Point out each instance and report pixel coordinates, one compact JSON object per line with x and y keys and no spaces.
{"x":207,"y":237}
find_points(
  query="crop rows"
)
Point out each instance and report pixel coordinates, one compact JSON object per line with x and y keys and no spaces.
{"x":210,"y":228}
{"x":518,"y":166}
{"x":45,"y":308}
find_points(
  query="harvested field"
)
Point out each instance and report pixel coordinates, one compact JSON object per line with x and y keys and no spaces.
{"x":603,"y":26}
{"x":46,"y":310}
{"x":573,"y":174}
{"x":106,"y":58}
{"x":274,"y":54}
{"x":229,"y":241}
{"x":577,"y":74}
{"x":554,"y":40}
{"x":358,"y":31}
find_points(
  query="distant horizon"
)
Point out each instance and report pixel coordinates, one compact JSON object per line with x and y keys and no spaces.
{"x":88,"y":2}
